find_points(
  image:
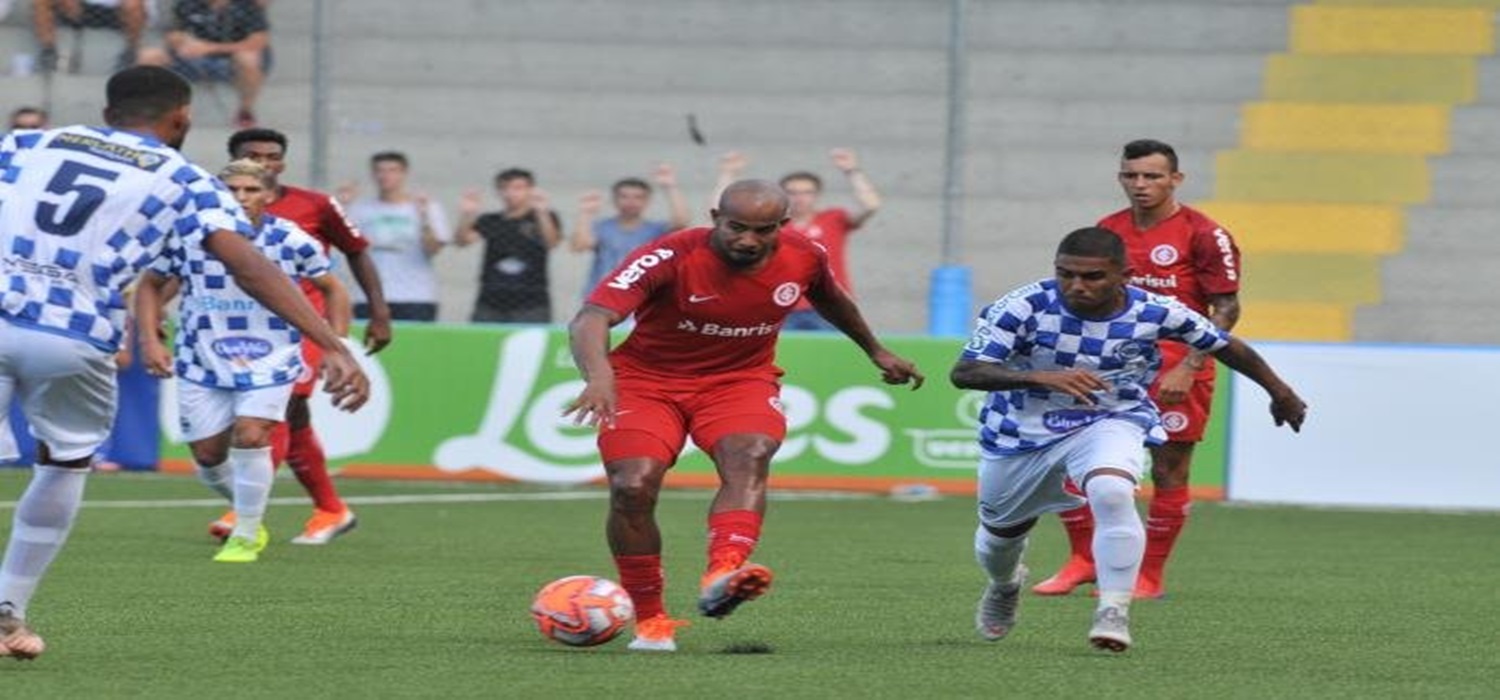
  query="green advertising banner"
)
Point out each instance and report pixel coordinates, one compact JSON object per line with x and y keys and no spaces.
{"x":486,"y":402}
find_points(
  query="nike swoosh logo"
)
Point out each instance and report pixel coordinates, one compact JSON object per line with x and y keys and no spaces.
{"x":695,"y":299}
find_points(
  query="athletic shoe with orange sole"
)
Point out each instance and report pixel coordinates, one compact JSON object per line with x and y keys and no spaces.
{"x":724,"y":589}
{"x":1149,"y":585}
{"x":325,"y":525}
{"x":17,"y":640}
{"x":1076,"y":572}
{"x":221,"y":528}
{"x":657,"y":633}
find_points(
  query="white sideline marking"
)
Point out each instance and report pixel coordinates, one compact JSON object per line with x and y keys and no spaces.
{"x":405,"y":499}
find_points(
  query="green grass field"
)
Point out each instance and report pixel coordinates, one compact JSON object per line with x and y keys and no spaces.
{"x":874,"y":598}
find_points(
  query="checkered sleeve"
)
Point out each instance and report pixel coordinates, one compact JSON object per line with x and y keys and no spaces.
{"x":170,"y":262}
{"x":203,"y":205}
{"x":306,"y":255}
{"x":1181,"y":323}
{"x":1004,"y":326}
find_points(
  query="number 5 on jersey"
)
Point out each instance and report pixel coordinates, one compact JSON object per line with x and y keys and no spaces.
{"x":87,"y":198}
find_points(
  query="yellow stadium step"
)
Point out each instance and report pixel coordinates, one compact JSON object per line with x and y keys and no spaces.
{"x":1318,"y":321}
{"x":1264,"y":227}
{"x":1367,"y":178}
{"x":1493,"y":4}
{"x":1344,"y":279}
{"x":1324,"y":78}
{"x":1330,"y":29}
{"x":1356,"y":128}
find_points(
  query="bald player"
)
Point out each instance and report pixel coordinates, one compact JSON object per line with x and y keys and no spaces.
{"x":709,"y":304}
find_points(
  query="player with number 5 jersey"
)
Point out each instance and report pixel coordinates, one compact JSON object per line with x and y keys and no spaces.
{"x":83,"y":210}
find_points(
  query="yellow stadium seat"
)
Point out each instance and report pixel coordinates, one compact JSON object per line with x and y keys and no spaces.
{"x":1345,"y":279}
{"x":1492,"y":4}
{"x":1323,"y":78}
{"x":1357,"y":128}
{"x":1366,"y":178}
{"x":1267,"y":227}
{"x":1269,"y":320}
{"x":1328,"y":29}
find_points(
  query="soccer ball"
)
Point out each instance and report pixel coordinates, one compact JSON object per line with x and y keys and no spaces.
{"x":582,"y":611}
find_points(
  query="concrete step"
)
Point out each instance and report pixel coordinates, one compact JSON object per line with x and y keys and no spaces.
{"x":1458,"y":231}
{"x":1436,"y":277}
{"x":1450,"y":323}
{"x":1465,"y":180}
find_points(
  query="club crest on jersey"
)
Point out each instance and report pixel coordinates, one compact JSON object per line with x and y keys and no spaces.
{"x":775,"y":402}
{"x":787,"y":294}
{"x":1134,"y":350}
{"x":1164,"y":254}
{"x":1174,"y":421}
{"x":1070,"y":419}
{"x":241,"y":348}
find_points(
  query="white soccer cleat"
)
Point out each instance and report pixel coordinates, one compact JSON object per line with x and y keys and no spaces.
{"x":996,"y":615}
{"x":1111,"y":631}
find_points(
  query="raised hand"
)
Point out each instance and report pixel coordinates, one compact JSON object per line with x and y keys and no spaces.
{"x":733,"y":163}
{"x":591,"y":203}
{"x":539,"y":199}
{"x":665,"y":176}
{"x":471,"y":202}
{"x":844,"y":159}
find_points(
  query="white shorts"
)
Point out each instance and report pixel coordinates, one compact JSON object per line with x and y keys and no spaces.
{"x":1017,"y":488}
{"x":66,"y":388}
{"x":205,"y":411}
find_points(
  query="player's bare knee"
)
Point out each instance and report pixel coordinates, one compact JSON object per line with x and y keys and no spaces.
{"x":252,"y":434}
{"x":209,"y":454}
{"x":634,"y":490}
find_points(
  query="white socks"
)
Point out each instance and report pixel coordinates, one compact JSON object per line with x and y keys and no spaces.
{"x":43,"y":518}
{"x":218,"y":478}
{"x":1119,"y":537}
{"x":253,"y":473}
{"x":998,"y":556}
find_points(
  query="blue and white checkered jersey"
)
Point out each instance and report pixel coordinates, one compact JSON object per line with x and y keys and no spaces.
{"x":82,"y":211}
{"x":225,"y":338}
{"x":1030,"y":329}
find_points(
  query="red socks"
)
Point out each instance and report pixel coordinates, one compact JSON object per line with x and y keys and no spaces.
{"x":641,"y":577}
{"x":281,"y":437}
{"x":732,"y":536}
{"x":1164,"y":521}
{"x":1079,"y":522}
{"x":305,"y":457}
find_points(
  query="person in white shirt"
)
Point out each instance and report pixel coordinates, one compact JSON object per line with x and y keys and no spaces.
{"x":86,"y":209}
{"x":405,"y":230}
{"x":236,"y":361}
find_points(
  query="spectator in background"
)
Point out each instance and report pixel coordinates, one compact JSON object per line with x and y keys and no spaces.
{"x":219,"y":40}
{"x":613,"y":238}
{"x":513,"y":280}
{"x":405,"y":229}
{"x":828,"y":227}
{"x":128,"y":16}
{"x":28,"y":118}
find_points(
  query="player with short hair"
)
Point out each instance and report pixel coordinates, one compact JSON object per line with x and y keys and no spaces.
{"x":321,"y":216}
{"x":699,"y":363}
{"x":83,"y":210}
{"x":1176,"y":251}
{"x":1067,"y":362}
{"x":236,"y":362}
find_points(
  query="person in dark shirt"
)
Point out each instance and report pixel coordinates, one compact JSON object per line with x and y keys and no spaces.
{"x":513,"y":280}
{"x":219,"y":40}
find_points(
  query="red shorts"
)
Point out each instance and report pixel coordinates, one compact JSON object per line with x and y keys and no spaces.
{"x":1185,"y":422}
{"x":654,"y":417}
{"x":312,"y":368}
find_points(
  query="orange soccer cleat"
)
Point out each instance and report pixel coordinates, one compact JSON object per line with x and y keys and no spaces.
{"x":1076,"y":572}
{"x":657,"y":633}
{"x":325,"y":525}
{"x":723,"y":589}
{"x":220,"y":529}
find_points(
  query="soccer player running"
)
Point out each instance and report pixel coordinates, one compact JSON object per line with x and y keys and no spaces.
{"x":1176,"y":251}
{"x":320,"y":215}
{"x":237,"y":362}
{"x":709,"y":304}
{"x":1067,"y":362}
{"x":83,"y":210}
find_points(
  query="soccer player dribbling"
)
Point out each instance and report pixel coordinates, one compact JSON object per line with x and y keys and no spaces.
{"x":1176,"y":251}
{"x":709,"y":304}
{"x":236,"y":363}
{"x":1066,"y":362}
{"x":85,"y":210}
{"x":321,"y":216}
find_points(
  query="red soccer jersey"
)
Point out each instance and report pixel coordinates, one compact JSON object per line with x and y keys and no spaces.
{"x":831,"y":229}
{"x":1188,"y":256}
{"x":319,"y":215}
{"x":695,"y":315}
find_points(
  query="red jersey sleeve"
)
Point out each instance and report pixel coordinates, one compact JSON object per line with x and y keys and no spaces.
{"x":645,"y":270}
{"x":1216,"y":260}
{"x":339,"y":231}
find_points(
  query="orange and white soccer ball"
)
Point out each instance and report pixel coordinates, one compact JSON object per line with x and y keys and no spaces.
{"x":582,"y":611}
